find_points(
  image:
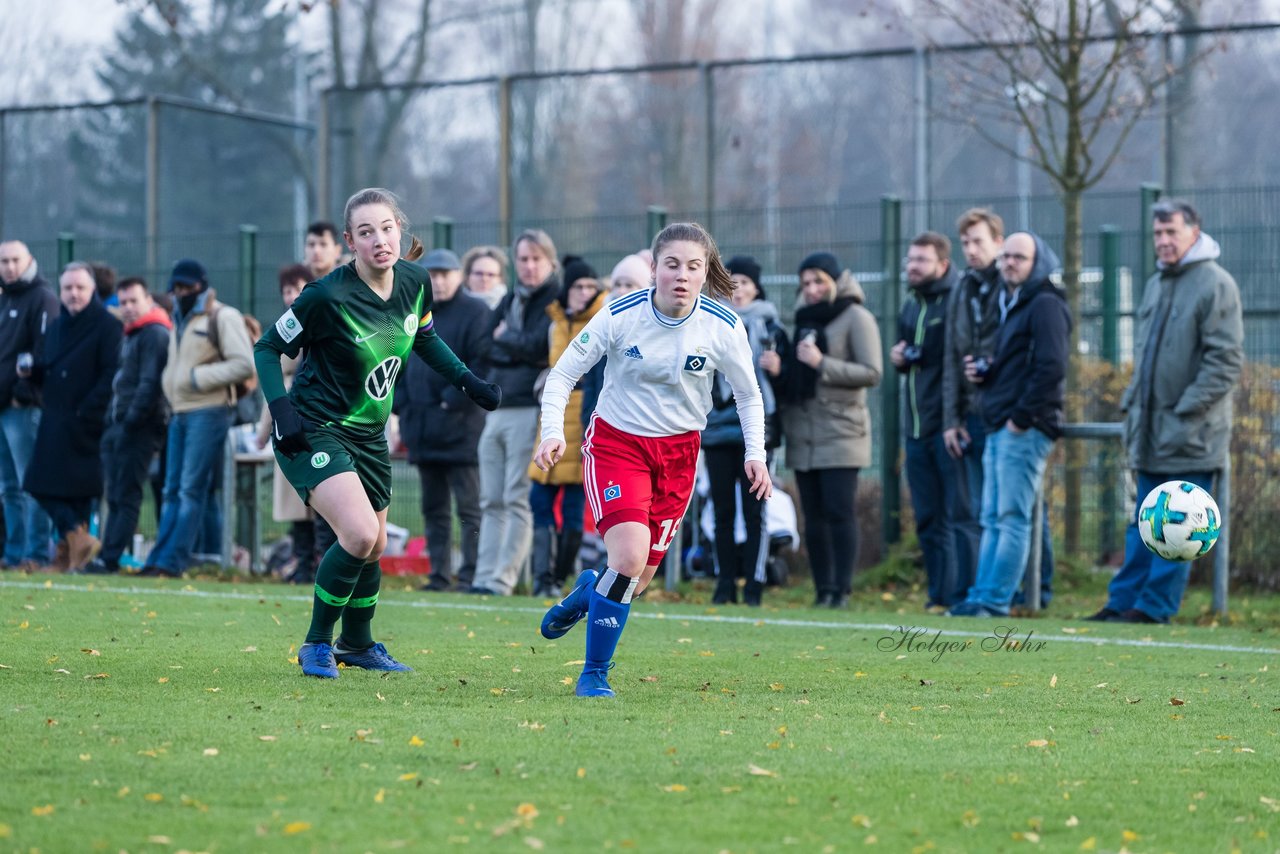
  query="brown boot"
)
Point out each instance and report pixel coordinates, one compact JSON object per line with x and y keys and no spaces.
{"x":61,"y":558}
{"x":82,"y":547}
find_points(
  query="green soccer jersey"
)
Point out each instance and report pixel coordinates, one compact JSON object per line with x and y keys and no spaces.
{"x":356,"y":344}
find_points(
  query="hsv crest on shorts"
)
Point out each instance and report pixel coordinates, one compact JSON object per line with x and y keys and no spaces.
{"x":612,"y":491}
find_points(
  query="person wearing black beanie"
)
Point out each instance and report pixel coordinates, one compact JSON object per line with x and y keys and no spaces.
{"x":824,"y":261}
{"x":745,"y":265}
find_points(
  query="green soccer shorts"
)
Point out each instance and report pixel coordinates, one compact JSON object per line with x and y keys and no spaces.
{"x":333,"y":453}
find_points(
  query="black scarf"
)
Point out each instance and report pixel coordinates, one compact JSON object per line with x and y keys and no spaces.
{"x":813,"y":320}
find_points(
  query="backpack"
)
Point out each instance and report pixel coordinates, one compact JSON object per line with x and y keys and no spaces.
{"x":246,"y":387}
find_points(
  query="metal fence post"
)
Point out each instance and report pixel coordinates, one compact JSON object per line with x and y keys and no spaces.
{"x":654,"y":221}
{"x":1222,"y":551}
{"x":153,"y":187}
{"x":891,"y":255}
{"x":1110,"y":239}
{"x":442,"y":232}
{"x":66,"y":249}
{"x":505,"y":129}
{"x":1150,"y":195}
{"x":248,"y":265}
{"x":709,"y":144}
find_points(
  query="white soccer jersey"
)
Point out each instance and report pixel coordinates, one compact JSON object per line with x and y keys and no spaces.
{"x":657,"y":381}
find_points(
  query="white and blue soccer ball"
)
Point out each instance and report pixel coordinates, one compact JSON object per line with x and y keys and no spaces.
{"x":1179,"y":521}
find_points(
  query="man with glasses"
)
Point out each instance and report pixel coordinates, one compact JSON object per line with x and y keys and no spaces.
{"x":1021,"y":392}
{"x":1177,"y":416}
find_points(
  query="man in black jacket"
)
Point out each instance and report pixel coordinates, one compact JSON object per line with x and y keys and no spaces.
{"x":441,"y":426}
{"x":945,"y":522}
{"x":27,"y":307}
{"x":521,"y":346}
{"x":136,"y":418}
{"x":1022,"y":393}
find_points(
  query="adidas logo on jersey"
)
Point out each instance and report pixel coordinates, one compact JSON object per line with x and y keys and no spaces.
{"x":607,"y":622}
{"x":633,"y":352}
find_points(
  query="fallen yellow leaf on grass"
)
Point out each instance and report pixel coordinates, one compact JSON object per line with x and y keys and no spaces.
{"x":534,"y":843}
{"x":756,"y":771}
{"x":153,"y":797}
{"x":85,"y":757}
{"x":1053,"y":681}
{"x":159,"y":840}
{"x":414,"y":741}
{"x":409,"y":776}
{"x":970,"y":819}
{"x":1174,"y":701}
{"x":163,"y":679}
{"x":675,"y":787}
{"x":47,"y":809}
{"x":99,"y":676}
{"x":1073,"y":822}
{"x":266,"y":738}
{"x":1129,"y":836}
{"x":776,"y":686}
{"x":527,"y":810}
{"x":860,"y":820}
{"x":380,"y":796}
{"x":1039,"y":742}
{"x":296,"y":827}
{"x":582,"y":772}
{"x":88,"y":651}
{"x":5,"y":831}
{"x":211,"y":751}
{"x":1270,"y":802}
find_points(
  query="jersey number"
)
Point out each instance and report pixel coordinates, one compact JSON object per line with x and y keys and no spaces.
{"x":669,"y":528}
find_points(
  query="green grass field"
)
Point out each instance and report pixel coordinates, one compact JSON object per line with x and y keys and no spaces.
{"x":144,"y":715}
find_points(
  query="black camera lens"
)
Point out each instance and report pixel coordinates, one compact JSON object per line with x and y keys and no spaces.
{"x":981,"y":366}
{"x":912,"y":354}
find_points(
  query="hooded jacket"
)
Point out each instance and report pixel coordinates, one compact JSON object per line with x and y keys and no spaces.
{"x":973,"y":319}
{"x":760,"y":319}
{"x":1027,"y":382}
{"x":1188,"y":352}
{"x":137,"y":400}
{"x":438,"y":423}
{"x":832,"y":429}
{"x":27,"y":307}
{"x":520,"y":353}
{"x":76,"y":364}
{"x":922,"y":323}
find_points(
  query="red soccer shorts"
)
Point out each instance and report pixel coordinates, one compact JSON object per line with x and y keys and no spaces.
{"x":646,"y":479}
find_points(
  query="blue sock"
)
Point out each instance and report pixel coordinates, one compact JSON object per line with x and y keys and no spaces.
{"x":607,"y":617}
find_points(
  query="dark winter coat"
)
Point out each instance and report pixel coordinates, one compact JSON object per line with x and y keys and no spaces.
{"x":438,"y":423}
{"x":137,"y":400}
{"x":26,"y":310}
{"x":75,"y":368}
{"x":1027,"y":382}
{"x":724,"y":427}
{"x":520,"y":353}
{"x":973,"y":319}
{"x":923,"y":324}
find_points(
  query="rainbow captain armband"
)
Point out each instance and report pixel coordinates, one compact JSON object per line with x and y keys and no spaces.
{"x":426,"y":323}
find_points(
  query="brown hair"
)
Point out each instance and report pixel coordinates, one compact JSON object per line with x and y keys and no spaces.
{"x":974,"y":216}
{"x":475,"y":253}
{"x":132,"y":282}
{"x":543,"y":241}
{"x":291,"y":273}
{"x":719,"y":281}
{"x":939,"y":242}
{"x":380,"y":196}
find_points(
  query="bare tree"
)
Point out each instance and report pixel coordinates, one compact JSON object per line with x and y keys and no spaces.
{"x":1077,"y":76}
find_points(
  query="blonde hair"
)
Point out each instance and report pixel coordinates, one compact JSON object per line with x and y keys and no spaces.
{"x":380,"y":196}
{"x":985,"y":216}
{"x":475,"y":253}
{"x":540,"y":239}
{"x":719,"y":282}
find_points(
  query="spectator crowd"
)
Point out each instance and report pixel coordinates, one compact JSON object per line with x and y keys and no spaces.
{"x":108,"y":388}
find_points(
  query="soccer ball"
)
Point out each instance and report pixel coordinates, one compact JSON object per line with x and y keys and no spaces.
{"x":1179,"y":521}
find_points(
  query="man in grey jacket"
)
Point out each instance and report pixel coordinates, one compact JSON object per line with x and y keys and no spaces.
{"x":1189,"y":348}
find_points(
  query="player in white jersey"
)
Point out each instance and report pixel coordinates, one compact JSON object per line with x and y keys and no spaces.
{"x":640,"y":452}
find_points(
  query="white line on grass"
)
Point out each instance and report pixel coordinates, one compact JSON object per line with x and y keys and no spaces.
{"x":698,"y":618}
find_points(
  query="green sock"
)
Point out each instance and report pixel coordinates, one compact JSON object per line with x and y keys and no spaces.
{"x":357,"y":619}
{"x":336,"y":578}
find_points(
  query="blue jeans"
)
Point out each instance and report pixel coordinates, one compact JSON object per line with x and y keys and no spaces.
{"x":1147,"y":581}
{"x":973,"y":471}
{"x":542,"y":502}
{"x":193,"y":456}
{"x":945,"y":524}
{"x":1013,"y":467}
{"x":27,"y":525}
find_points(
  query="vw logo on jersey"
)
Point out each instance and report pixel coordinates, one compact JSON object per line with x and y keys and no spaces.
{"x":695,"y":363}
{"x":410,"y":324}
{"x":382,"y":379}
{"x":319,"y":460}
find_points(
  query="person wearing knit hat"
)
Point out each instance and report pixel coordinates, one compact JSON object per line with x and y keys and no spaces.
{"x":745,"y":265}
{"x":632,"y":273}
{"x":823,"y":385}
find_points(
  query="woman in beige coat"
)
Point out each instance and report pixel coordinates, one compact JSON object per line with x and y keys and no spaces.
{"x":822,"y":387}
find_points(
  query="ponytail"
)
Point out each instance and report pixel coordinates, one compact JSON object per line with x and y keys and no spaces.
{"x":719,"y":281}
{"x":415,"y":249}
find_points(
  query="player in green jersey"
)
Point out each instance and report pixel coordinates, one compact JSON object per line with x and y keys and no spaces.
{"x":357,"y":326}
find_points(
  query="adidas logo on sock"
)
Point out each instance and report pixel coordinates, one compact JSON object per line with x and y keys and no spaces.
{"x":633,"y":352}
{"x":607,"y":622}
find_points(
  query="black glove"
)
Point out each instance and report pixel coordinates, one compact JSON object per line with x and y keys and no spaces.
{"x":288,"y":430}
{"x":487,"y":395}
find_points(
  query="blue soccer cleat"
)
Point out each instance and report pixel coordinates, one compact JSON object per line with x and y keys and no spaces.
{"x":375,"y":657}
{"x":317,"y":660}
{"x":566,"y":613}
{"x":594,"y":683}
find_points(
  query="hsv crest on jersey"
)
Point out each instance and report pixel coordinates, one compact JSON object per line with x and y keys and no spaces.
{"x":288,"y":326}
{"x":382,"y":379}
{"x":695,"y":363}
{"x":633,"y":352}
